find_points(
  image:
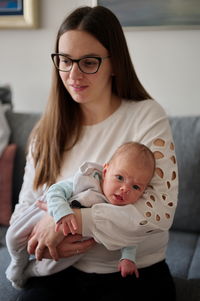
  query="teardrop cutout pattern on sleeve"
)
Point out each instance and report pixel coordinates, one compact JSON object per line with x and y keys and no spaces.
{"x":159,"y":205}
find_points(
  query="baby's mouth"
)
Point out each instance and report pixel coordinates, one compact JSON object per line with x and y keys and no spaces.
{"x":119,"y":197}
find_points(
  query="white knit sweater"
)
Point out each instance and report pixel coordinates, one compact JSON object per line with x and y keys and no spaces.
{"x":145,"y":223}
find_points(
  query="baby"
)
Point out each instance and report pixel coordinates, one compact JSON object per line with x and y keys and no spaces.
{"x":122,"y":182}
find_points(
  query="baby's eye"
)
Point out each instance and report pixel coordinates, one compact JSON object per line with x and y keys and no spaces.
{"x":119,"y":178}
{"x":136,"y":187}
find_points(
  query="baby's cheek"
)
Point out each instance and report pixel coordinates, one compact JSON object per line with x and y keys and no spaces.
{"x":135,"y":196}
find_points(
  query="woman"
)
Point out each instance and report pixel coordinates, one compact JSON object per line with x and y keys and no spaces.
{"x":96,"y":104}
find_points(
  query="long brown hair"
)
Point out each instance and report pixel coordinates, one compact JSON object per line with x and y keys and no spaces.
{"x":60,"y":126}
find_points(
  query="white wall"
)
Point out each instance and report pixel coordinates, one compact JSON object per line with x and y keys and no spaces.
{"x":167,"y":62}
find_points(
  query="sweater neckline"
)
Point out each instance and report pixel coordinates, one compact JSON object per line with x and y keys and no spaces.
{"x":108,"y":119}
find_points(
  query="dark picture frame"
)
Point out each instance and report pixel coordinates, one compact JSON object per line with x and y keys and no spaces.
{"x":155,"y":13}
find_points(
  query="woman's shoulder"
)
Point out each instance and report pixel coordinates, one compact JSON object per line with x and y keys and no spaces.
{"x":146,"y":103}
{"x":145,"y":108}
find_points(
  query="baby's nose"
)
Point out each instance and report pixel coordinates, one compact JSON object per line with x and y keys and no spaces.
{"x":125,"y":188}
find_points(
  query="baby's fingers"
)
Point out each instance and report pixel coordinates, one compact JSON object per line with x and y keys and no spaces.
{"x":66,"y":229}
{"x":74,"y":223}
{"x":57,"y":227}
{"x":42,"y":205}
{"x":136,"y":273}
{"x":73,"y":226}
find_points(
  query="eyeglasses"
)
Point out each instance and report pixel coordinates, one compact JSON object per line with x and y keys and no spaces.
{"x":88,"y":64}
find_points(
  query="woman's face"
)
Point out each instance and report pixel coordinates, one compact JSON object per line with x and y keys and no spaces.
{"x":85,"y":88}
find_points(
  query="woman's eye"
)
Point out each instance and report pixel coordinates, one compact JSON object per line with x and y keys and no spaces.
{"x":120,"y":178}
{"x":136,"y":187}
{"x":89,"y":63}
{"x":66,"y":61}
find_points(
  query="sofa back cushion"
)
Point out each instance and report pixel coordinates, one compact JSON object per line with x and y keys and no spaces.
{"x":21,"y":125}
{"x":186,"y":132}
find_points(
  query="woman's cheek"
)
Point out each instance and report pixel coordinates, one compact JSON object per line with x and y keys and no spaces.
{"x":63,"y":76}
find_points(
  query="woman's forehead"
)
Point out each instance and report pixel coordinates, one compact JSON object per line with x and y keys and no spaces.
{"x":79,"y":43}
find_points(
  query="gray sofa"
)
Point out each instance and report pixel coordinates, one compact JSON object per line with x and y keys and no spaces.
{"x":183,"y":254}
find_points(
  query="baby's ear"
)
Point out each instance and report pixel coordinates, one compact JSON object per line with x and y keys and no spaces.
{"x":104,"y":169}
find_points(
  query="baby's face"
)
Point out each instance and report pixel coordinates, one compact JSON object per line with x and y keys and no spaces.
{"x":124,"y":182}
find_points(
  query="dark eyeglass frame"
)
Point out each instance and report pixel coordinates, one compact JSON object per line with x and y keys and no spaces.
{"x":99,"y":58}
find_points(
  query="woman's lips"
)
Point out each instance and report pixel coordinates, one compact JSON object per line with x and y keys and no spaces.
{"x":78,"y":88}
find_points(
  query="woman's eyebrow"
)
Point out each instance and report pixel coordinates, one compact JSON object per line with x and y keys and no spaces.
{"x":85,"y":55}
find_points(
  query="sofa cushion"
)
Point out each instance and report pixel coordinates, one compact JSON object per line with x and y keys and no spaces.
{"x":6,"y":179}
{"x":187,"y":142}
{"x":21,"y":125}
{"x":183,"y":254}
{"x":187,"y":289}
{"x":194,"y":271}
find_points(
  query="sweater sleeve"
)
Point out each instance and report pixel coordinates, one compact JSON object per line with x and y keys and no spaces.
{"x":27,"y":194}
{"x":128,"y":253}
{"x":115,"y":226}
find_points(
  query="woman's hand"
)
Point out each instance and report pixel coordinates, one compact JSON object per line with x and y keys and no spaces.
{"x":44,"y":236}
{"x":44,"y":242}
{"x":72,"y":245}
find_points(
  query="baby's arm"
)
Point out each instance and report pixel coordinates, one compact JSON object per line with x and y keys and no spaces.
{"x":68,"y":224}
{"x":127,"y":264}
{"x":57,"y":198}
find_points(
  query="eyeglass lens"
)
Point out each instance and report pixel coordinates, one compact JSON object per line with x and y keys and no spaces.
{"x":86,"y":65}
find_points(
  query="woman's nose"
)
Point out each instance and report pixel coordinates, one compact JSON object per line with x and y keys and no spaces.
{"x":75,"y":72}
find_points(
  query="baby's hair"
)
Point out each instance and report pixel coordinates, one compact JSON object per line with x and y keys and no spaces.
{"x":136,"y":148}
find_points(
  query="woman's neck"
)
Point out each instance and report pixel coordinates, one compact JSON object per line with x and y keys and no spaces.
{"x":94,"y":113}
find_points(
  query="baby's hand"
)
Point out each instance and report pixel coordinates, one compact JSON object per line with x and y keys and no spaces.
{"x":68,"y":224}
{"x":128,"y":267}
{"x":42,"y":205}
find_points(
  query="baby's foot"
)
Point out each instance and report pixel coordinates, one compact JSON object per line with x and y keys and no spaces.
{"x":18,"y":276}
{"x":20,"y":284}
{"x":14,"y":274}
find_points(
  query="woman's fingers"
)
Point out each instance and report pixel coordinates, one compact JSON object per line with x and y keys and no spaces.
{"x":44,"y":235}
{"x":71,"y":245}
{"x":84,"y":245}
{"x":32,"y":245}
{"x":39,"y":252}
{"x":53,"y":252}
{"x":73,"y":238}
